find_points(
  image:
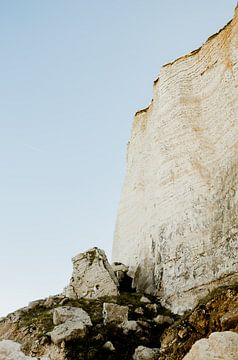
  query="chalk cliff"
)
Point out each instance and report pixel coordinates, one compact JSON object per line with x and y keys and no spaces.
{"x":177,"y":224}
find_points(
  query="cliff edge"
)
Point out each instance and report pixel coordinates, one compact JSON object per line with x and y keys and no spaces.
{"x":177,"y":224}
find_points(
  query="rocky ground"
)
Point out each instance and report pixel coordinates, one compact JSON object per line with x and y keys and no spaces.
{"x":127,"y":325}
{"x":143,"y":325}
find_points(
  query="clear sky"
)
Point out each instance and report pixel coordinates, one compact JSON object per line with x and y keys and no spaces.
{"x":73,"y":73}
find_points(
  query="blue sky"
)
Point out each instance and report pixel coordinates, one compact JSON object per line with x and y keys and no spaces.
{"x":73,"y":73}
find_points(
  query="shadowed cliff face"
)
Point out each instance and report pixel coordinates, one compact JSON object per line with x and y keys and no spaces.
{"x":177,"y":224}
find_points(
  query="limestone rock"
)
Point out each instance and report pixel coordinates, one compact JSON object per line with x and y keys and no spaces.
{"x":177,"y":224}
{"x":144,"y":353}
{"x":65,"y":313}
{"x":72,"y":324}
{"x":162,"y":319}
{"x":109,"y":346}
{"x":92,"y":277}
{"x":113,"y":313}
{"x":70,"y":330}
{"x":10,"y":350}
{"x":222,"y":345}
{"x":130,"y":325}
{"x":145,"y":300}
{"x":139,"y":311}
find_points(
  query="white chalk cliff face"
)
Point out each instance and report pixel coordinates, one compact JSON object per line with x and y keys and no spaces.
{"x":177,"y":225}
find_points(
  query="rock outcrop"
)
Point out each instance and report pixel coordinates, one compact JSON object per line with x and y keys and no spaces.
{"x":223,"y":345}
{"x":177,"y":225}
{"x":92,"y":277}
{"x":216,"y":312}
{"x":127,"y":326}
{"x":10,"y":350}
{"x":71,"y":324}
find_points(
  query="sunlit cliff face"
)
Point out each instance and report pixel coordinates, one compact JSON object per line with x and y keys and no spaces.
{"x":177,"y":224}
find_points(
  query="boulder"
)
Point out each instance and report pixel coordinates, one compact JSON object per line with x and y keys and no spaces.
{"x":130,"y":325}
{"x":109,"y":346}
{"x":71,"y":324}
{"x":113,"y":313}
{"x":65,"y":313}
{"x":70,"y":330}
{"x":223,"y":345}
{"x":162,"y":319}
{"x":92,"y":277}
{"x":145,"y":300}
{"x":145,"y":353}
{"x":10,"y":350}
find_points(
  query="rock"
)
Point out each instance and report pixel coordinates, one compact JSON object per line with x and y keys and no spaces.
{"x":109,"y":346}
{"x":10,"y":350}
{"x":177,"y":226}
{"x":92,"y":276}
{"x":72,"y":324}
{"x":139,"y":311}
{"x":223,"y":345}
{"x":230,"y":320}
{"x":130,"y":325}
{"x":113,"y":313}
{"x":65,"y":313}
{"x":145,"y":300}
{"x":49,"y":302}
{"x":70,"y":330}
{"x":121,"y":272}
{"x":145,"y":353}
{"x":152,"y":308}
{"x":35,"y":304}
{"x":162,"y":319}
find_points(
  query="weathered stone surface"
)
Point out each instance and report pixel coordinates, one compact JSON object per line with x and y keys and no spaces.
{"x":109,"y":346}
{"x":114,"y":313}
{"x":223,"y":345}
{"x":230,"y":319}
{"x":139,"y":311}
{"x":92,"y":276}
{"x":145,"y":300}
{"x":162,"y":319}
{"x":144,"y":353}
{"x":205,"y":319}
{"x":177,"y":225}
{"x":10,"y":350}
{"x":70,"y":330}
{"x":120,"y":270}
{"x":64,"y":313}
{"x":130,"y":325}
{"x":72,"y":324}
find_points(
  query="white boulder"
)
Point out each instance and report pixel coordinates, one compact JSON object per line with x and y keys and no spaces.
{"x":145,"y":353}
{"x":219,"y":346}
{"x":10,"y":350}
{"x":92,"y":277}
